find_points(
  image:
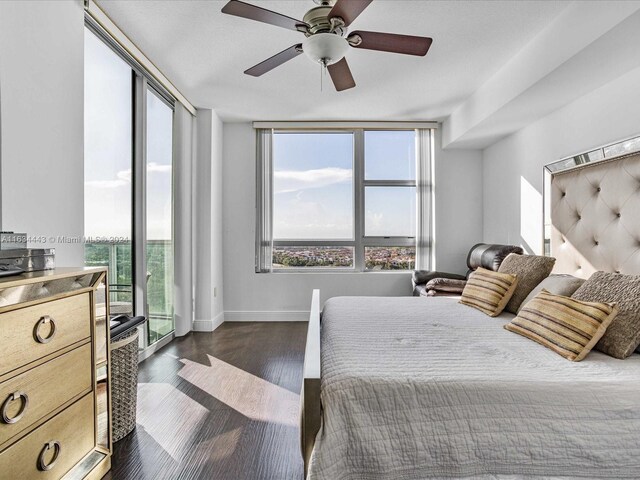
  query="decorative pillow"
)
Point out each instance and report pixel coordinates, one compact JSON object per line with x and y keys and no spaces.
{"x":567,"y":326}
{"x":489,"y":291}
{"x":623,"y":336}
{"x":446,"y":285}
{"x":564,"y":285}
{"x":530,"y":270}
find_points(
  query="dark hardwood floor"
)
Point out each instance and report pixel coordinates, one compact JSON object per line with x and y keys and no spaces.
{"x":221,"y":405}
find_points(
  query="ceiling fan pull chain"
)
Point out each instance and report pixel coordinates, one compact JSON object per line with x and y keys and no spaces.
{"x":323,"y":70}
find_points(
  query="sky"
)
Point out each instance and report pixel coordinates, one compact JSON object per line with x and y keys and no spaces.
{"x":108,"y":157}
{"x":313,"y":185}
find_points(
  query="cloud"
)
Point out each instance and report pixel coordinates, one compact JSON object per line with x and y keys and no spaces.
{"x":285,"y":181}
{"x":123,"y":177}
{"x":155,"y":168}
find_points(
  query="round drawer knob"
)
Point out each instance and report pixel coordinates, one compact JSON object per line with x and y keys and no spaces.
{"x":36,"y":331}
{"x":42,"y":463}
{"x":8,"y":401}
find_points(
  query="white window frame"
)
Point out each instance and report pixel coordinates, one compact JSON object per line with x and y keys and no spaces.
{"x":422,"y":183}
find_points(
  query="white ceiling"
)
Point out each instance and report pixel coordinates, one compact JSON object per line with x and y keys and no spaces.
{"x":204,"y":53}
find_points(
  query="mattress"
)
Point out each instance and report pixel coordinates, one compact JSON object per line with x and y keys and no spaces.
{"x":416,"y":388}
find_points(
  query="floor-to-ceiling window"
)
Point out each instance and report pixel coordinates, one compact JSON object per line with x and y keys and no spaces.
{"x":128,"y":185}
{"x":159,"y":215}
{"x":108,"y":166}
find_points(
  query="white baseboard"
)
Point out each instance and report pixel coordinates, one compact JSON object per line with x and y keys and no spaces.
{"x":208,"y":325}
{"x":253,"y":316}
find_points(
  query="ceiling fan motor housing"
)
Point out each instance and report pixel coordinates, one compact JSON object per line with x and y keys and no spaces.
{"x":318,"y":21}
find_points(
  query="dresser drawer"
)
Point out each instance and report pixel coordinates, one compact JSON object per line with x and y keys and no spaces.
{"x":33,"y":332}
{"x":55,"y":447}
{"x":26,"y":398}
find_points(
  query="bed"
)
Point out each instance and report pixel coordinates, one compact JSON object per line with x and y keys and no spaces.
{"x":406,"y":396}
{"x":410,"y":387}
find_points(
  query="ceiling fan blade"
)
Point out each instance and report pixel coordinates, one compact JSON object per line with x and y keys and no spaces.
{"x":391,"y":42}
{"x":259,"y":14}
{"x":275,"y":61}
{"x":348,"y":10}
{"x":341,"y":75}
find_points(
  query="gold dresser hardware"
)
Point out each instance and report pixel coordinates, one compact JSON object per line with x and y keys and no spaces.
{"x":55,"y":403}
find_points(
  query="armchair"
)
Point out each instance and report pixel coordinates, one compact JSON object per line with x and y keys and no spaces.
{"x":483,"y":255}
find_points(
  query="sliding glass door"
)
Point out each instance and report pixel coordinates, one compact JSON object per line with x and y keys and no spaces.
{"x":128,"y":186}
{"x":159,"y":217}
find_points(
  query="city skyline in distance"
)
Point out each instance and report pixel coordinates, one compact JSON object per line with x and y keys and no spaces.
{"x":376,"y":258}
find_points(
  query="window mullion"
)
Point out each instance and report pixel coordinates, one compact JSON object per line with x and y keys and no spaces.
{"x":359,"y":208}
{"x":389,"y":183}
{"x":389,"y":241}
{"x":139,"y":179}
{"x":313,"y":243}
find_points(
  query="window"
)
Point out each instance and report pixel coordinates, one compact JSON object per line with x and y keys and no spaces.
{"x":108,"y":166}
{"x":345,"y":200}
{"x":159,"y":204}
{"x":313,"y":200}
{"x":389,"y":200}
{"x":128,"y":184}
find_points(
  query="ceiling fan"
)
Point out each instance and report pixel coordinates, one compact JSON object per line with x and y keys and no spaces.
{"x":328,"y":40}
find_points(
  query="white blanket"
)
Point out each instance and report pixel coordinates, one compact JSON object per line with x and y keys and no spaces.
{"x":416,"y":388}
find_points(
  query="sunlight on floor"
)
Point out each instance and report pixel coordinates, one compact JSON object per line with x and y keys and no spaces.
{"x":174,"y":433}
{"x":219,"y":447}
{"x":249,"y":395}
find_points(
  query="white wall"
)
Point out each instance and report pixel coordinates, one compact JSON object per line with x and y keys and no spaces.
{"x":458,"y":205}
{"x":513,"y":174}
{"x":41,"y":101}
{"x":250,"y":296}
{"x":208,"y":264}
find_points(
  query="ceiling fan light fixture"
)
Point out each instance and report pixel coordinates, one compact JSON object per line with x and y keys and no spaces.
{"x":325,"y":48}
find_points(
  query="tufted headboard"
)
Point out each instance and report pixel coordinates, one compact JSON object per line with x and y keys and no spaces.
{"x":595,"y":217}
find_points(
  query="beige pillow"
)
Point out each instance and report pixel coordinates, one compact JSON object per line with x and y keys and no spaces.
{"x":530,"y":270}
{"x":558,"y":284}
{"x":567,"y":326}
{"x":623,"y":335}
{"x":488,"y":291}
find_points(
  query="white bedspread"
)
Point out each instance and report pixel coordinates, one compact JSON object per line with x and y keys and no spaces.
{"x":416,"y":388}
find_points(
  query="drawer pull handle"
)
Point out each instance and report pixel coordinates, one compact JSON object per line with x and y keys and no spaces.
{"x":5,"y":405}
{"x":42,"y":464}
{"x":44,"y":320}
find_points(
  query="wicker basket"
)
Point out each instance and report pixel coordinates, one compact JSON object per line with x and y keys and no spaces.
{"x":124,"y":384}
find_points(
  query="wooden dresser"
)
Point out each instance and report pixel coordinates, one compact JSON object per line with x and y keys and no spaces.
{"x":54,"y":375}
